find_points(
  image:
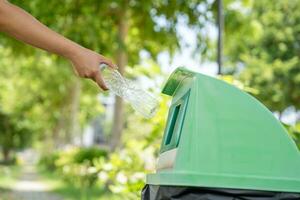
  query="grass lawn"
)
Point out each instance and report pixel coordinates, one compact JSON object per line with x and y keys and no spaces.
{"x":70,"y":192}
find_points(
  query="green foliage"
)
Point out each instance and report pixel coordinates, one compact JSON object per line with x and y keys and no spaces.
{"x":12,"y":136}
{"x":261,"y":44}
{"x":294,"y":131}
{"x":278,"y":82}
{"x":125,"y":171}
{"x":88,"y":154}
{"x":122,"y":172}
{"x":37,"y":92}
{"x":74,"y":165}
{"x":94,"y":23}
{"x":47,"y":162}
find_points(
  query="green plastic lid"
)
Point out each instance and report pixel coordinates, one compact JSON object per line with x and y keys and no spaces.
{"x":219,"y":136}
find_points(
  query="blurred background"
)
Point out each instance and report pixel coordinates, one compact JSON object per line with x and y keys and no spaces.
{"x":63,"y":138}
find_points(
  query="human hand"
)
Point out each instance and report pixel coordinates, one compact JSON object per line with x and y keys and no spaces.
{"x":86,"y":64}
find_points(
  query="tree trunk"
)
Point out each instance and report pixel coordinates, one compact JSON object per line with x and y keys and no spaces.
{"x":6,"y":154}
{"x":122,"y":59}
{"x":74,"y":127}
{"x":58,"y":132}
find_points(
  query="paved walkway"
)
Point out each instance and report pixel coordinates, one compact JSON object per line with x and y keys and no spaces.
{"x":28,"y":187}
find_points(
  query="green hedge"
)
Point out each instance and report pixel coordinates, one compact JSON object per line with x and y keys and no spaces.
{"x":75,"y":165}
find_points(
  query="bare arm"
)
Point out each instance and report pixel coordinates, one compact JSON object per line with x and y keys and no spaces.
{"x":22,"y":26}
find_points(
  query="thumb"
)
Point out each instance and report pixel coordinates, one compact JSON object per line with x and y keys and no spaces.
{"x":99,"y":80}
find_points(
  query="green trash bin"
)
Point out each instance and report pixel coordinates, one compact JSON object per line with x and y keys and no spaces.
{"x":221,"y":143}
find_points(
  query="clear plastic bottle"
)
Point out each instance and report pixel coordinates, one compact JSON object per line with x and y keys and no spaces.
{"x":143,"y":102}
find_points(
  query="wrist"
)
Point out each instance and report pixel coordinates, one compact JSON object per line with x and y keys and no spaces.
{"x":72,"y":52}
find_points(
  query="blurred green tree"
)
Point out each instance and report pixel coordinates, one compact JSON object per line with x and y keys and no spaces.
{"x":262,"y":46}
{"x":12,"y":136}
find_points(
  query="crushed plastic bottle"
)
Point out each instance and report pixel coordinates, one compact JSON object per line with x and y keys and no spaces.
{"x":141,"y":101}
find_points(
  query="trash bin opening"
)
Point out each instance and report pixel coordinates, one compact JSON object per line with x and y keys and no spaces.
{"x":175,"y":122}
{"x":172,"y":124}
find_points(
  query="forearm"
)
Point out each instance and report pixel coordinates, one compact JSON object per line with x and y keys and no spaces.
{"x":22,"y":26}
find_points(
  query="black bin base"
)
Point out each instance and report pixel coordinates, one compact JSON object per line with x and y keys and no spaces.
{"x":156,"y":192}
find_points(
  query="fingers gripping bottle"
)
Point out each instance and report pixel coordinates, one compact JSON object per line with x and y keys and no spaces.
{"x":141,"y":101}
